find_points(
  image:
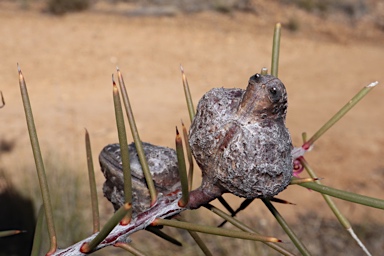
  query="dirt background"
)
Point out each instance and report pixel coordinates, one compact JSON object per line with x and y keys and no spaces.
{"x":68,"y":61}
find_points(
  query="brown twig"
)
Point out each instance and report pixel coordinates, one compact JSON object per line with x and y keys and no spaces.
{"x":164,"y":207}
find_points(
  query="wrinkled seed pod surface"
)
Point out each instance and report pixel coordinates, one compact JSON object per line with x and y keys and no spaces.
{"x":162,"y":164}
{"x":239,"y":139}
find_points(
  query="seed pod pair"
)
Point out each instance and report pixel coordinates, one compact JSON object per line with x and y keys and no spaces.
{"x":238,"y":138}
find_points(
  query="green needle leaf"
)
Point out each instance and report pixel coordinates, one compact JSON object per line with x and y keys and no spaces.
{"x":327,"y":198}
{"x":156,"y":231}
{"x":182,"y":170}
{"x":215,"y":230}
{"x":189,"y":155}
{"x":9,"y":233}
{"x":92,"y":184}
{"x":2,"y":100}
{"x":130,"y":248}
{"x":37,"y":238}
{"x":39,"y":162}
{"x":108,"y":227}
{"x":197,"y":238}
{"x":299,"y":245}
{"x":123,"y":151}
{"x":243,"y":227}
{"x":344,"y":110}
{"x":188,"y":97}
{"x":348,"y":196}
{"x":136,"y":138}
{"x":264,"y":71}
{"x":276,"y":50}
{"x":301,"y":180}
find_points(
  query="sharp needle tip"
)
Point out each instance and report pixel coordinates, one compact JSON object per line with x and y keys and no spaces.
{"x":373,"y":84}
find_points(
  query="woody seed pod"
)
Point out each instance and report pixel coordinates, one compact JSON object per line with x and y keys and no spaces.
{"x":240,"y":141}
{"x":162,"y":164}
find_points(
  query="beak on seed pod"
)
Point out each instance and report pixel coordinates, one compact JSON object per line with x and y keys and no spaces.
{"x":239,"y":140}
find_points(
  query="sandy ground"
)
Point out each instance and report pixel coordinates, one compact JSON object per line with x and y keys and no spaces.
{"x":68,"y":61}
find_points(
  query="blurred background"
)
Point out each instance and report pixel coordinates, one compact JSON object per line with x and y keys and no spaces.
{"x":68,"y":50}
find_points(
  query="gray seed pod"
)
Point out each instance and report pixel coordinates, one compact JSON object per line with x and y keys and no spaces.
{"x":240,"y":141}
{"x":162,"y":164}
